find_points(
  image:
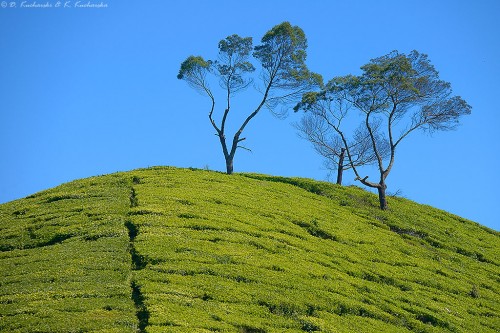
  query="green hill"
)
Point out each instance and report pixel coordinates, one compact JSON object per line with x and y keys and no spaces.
{"x":180,"y":250}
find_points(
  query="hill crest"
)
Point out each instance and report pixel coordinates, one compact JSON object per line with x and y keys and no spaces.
{"x":179,"y":250}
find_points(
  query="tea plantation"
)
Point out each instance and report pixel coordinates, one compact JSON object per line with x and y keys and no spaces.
{"x":180,"y":250}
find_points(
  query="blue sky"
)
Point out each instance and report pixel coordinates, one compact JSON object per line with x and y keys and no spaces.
{"x":89,"y":91}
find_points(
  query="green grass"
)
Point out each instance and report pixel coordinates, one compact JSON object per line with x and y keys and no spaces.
{"x":179,"y":250}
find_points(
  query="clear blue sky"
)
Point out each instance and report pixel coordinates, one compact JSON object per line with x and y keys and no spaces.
{"x":89,"y":91}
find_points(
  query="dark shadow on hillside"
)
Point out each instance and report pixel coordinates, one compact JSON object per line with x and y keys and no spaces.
{"x":138,"y":262}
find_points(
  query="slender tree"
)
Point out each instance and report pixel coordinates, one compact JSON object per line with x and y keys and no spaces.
{"x":322,"y":126}
{"x":282,"y":79}
{"x":395,"y":95}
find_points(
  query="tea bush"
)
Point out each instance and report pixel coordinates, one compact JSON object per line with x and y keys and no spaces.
{"x":180,"y":250}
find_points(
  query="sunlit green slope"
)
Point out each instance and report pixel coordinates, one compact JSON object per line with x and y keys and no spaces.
{"x":179,"y":250}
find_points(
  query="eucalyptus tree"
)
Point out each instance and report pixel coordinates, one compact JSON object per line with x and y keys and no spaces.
{"x":322,"y":126}
{"x":395,"y":95}
{"x":282,"y":78}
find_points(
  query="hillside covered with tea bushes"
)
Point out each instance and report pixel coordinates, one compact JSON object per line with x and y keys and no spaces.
{"x":182,"y":250}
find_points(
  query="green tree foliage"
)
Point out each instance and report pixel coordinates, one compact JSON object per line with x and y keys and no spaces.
{"x":395,"y":95}
{"x":282,"y":79}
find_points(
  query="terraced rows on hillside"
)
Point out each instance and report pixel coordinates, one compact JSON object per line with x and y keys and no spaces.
{"x":65,"y":261}
{"x":180,"y":250}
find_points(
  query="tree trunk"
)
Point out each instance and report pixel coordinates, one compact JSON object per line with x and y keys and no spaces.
{"x":229,"y":165}
{"x":381,"y":196}
{"x":340,"y":168}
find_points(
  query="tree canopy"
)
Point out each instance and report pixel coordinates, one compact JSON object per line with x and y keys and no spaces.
{"x":282,"y":79}
{"x":395,"y":95}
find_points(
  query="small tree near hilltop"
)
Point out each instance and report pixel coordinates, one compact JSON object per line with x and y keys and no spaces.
{"x":283,"y":77}
{"x":395,"y":95}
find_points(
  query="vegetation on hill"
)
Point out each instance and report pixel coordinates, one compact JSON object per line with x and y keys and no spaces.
{"x":180,"y":250}
{"x":64,"y":260}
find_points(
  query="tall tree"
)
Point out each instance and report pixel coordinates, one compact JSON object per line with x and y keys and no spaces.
{"x":282,"y":80}
{"x":395,"y":95}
